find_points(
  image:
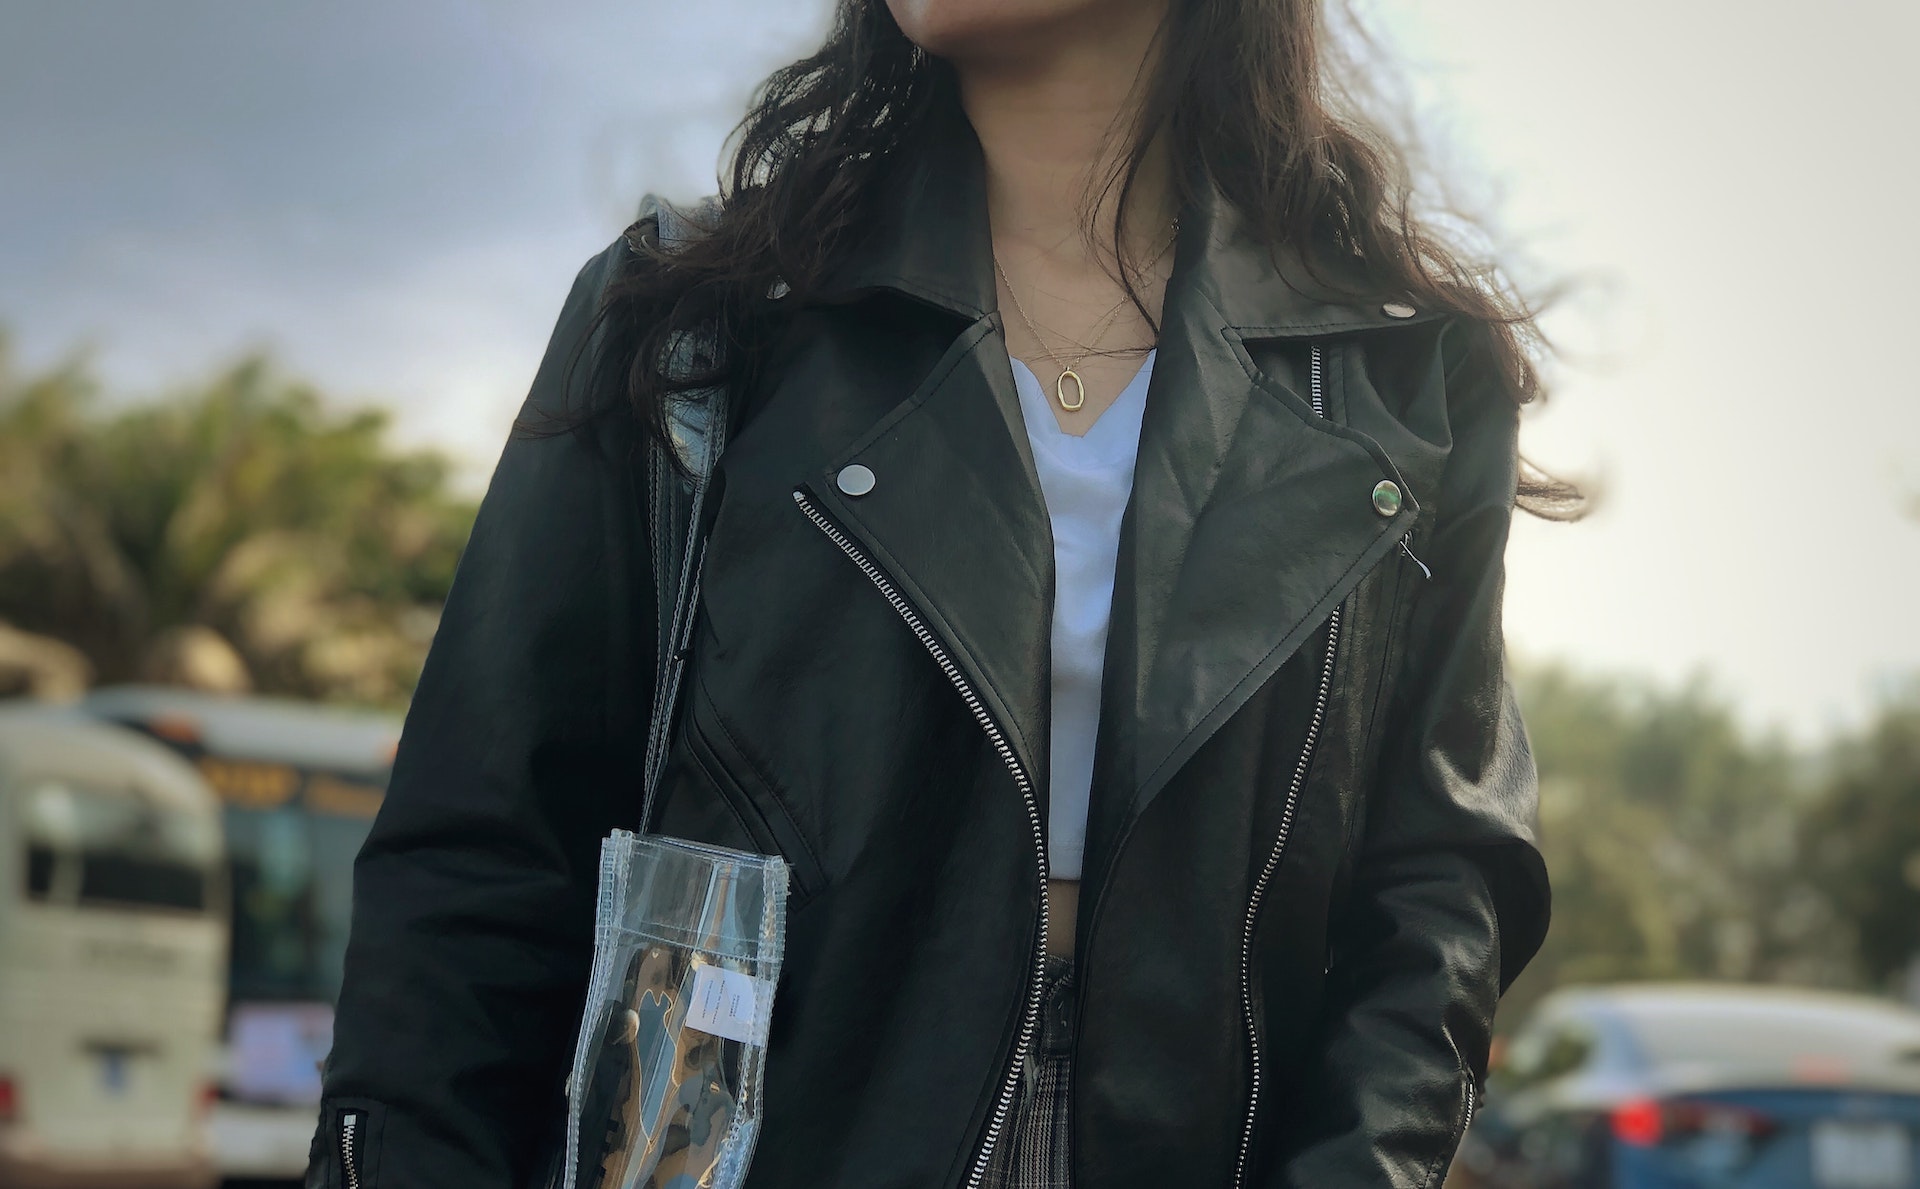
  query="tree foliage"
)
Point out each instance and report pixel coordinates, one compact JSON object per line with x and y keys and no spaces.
{"x":244,"y":514}
{"x":1677,"y":843}
{"x":1866,"y":841}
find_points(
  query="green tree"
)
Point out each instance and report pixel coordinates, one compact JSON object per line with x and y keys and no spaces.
{"x":1673,"y":839}
{"x":1866,"y":837}
{"x":240,"y":534}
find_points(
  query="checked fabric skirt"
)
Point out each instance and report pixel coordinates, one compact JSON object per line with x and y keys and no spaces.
{"x":1035,"y":1153}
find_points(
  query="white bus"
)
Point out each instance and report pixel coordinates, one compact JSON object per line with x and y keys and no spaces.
{"x":300,"y":783}
{"x":113,"y":937}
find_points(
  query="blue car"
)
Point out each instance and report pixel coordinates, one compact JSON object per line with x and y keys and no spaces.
{"x":1672,"y":1085}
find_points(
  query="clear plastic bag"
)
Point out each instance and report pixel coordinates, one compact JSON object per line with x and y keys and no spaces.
{"x":667,"y":1073}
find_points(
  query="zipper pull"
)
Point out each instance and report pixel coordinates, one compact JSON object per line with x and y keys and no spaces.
{"x":1408,"y":550}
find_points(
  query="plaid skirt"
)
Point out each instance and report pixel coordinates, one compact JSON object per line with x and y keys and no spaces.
{"x":1034,"y":1153}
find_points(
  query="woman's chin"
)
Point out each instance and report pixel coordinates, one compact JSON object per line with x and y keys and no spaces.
{"x":971,"y":29}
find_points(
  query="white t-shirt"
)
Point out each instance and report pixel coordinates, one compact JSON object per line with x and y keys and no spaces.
{"x":1086,"y":481}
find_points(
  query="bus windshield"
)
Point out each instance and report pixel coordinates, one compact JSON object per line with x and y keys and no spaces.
{"x":292,"y":872}
{"x":300,"y":784}
{"x":107,"y":848}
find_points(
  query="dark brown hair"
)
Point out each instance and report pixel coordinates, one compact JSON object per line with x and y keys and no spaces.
{"x":1244,"y":94}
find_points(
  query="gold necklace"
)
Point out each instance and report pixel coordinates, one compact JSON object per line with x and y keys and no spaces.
{"x":1066,"y":369}
{"x":1099,"y":328}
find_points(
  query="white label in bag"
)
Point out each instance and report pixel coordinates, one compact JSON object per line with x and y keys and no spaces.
{"x":722,"y":1002}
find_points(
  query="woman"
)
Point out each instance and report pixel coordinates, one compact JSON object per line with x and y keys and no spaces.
{"x":1101,"y":615}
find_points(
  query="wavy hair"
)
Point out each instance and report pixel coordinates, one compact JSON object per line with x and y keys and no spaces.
{"x":1246,"y":93}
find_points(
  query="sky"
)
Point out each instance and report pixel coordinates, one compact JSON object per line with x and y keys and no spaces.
{"x":393,"y":200}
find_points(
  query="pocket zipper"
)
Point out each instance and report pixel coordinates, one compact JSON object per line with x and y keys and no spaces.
{"x":349,"y":1149}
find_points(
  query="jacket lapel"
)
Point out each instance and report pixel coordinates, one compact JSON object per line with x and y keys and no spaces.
{"x":955,"y":518}
{"x":956,"y":521}
{"x":1251,"y":517}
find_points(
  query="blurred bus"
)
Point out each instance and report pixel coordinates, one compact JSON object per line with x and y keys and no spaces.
{"x":300,"y":783}
{"x":112,"y":949}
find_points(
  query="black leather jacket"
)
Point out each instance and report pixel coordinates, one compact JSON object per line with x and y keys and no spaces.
{"x":1310,"y":868}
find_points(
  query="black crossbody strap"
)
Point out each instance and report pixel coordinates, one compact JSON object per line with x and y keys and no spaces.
{"x":676,"y":501}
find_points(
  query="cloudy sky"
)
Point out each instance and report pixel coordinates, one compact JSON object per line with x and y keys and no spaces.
{"x":394,"y":198}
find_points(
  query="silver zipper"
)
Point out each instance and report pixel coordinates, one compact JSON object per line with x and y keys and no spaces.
{"x":1030,"y":1018}
{"x":1408,"y":550}
{"x":349,"y":1164}
{"x":1321,"y":699}
{"x":1466,"y":1121}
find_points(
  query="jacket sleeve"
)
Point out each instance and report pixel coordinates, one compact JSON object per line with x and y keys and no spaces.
{"x":474,"y":893}
{"x":1449,"y":897}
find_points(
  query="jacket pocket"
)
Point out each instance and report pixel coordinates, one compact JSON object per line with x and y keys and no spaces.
{"x":753,"y":802}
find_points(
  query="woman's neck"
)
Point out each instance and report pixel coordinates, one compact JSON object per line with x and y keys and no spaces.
{"x":1054,"y":121}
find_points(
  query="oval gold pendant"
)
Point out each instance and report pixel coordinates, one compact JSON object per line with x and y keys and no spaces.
{"x":1079,"y":391}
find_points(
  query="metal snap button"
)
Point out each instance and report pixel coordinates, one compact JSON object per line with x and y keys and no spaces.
{"x":1386,"y":497}
{"x":1398,"y":309}
{"x":855,"y":479}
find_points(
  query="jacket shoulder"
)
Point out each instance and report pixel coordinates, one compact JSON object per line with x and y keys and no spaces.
{"x":573,"y":382}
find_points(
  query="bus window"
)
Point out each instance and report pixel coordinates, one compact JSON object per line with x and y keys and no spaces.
{"x":336,"y":840}
{"x":270,"y":856}
{"x":94,"y":848}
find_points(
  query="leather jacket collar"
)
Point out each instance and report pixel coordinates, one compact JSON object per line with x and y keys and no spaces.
{"x":1250,"y":517}
{"x":940,"y":183}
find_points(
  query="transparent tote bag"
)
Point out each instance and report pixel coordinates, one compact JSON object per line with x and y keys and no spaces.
{"x":665,"y":1091}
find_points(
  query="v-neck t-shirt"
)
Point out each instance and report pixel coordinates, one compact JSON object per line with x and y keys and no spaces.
{"x":1086,"y":480}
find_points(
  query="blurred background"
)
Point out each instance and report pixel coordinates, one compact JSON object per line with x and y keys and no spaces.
{"x":273,"y":281}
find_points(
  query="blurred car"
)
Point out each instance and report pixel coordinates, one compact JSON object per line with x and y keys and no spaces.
{"x":113,"y":937}
{"x":1651,"y":1086}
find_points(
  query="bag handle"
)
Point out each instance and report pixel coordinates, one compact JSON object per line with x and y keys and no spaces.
{"x":676,"y":497}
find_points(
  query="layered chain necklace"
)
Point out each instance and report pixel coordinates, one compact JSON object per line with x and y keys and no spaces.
{"x":1067,"y":368}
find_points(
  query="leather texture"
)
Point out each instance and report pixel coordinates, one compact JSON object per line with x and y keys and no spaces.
{"x":815,"y":722}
